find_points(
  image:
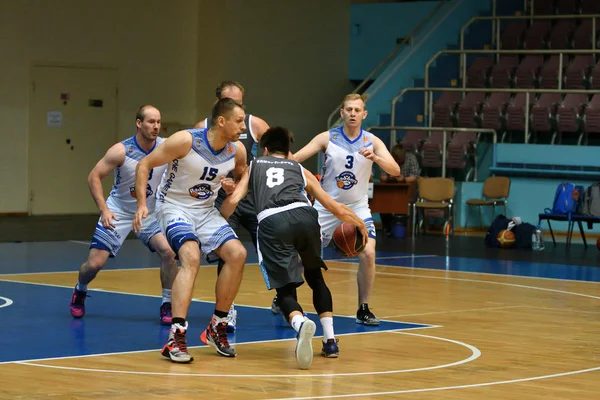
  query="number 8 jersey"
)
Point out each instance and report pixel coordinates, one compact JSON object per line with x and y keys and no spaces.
{"x":277,"y":185}
{"x":345,"y":173}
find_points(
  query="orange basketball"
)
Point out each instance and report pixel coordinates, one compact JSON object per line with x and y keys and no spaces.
{"x":506,"y":238}
{"x":347,"y":240}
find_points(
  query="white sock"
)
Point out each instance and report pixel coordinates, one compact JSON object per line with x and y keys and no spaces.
{"x":166,"y":296}
{"x":297,"y":321}
{"x":81,"y":287}
{"x":327,"y":324}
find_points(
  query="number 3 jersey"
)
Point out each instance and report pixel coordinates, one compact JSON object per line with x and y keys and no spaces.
{"x":194,"y":180}
{"x":277,"y":185}
{"x":122,"y":195}
{"x":345,"y":173}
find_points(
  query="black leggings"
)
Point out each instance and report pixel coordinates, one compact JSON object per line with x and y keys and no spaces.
{"x":322,"y":300}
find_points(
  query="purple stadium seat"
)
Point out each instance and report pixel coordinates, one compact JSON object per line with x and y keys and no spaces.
{"x":549,"y":73}
{"x":595,"y":76}
{"x":543,"y":7}
{"x":469,"y":108}
{"x":591,"y":122}
{"x":570,"y":111}
{"x":536,"y":35}
{"x":443,"y":110}
{"x":512,"y":36}
{"x":502,"y":72}
{"x":461,"y":149}
{"x":515,"y":112}
{"x":478,"y":72}
{"x":413,"y":141}
{"x":560,"y":37}
{"x":578,"y":72}
{"x":432,"y":149}
{"x":494,"y":109}
{"x":528,"y":70}
{"x":543,"y":112}
{"x":566,"y":7}
{"x":582,"y":36}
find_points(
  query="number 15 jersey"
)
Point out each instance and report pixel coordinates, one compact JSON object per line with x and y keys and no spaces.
{"x":345,"y":173}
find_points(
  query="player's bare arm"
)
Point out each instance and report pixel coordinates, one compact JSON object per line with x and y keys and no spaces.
{"x":317,"y":144}
{"x":176,"y":146}
{"x":259,"y":127}
{"x":241,"y":190}
{"x":382,"y":157}
{"x":341,"y":211}
{"x":200,"y":124}
{"x":114,"y":157}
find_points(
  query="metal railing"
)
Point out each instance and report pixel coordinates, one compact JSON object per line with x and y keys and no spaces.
{"x":429,"y":107}
{"x":444,"y":131}
{"x":385,"y":61}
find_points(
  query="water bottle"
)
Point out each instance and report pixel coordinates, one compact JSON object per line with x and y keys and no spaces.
{"x":537,"y":239}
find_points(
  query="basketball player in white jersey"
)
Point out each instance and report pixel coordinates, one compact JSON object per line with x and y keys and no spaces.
{"x":199,"y":159}
{"x":244,"y":215}
{"x":118,"y":210}
{"x":349,"y":154}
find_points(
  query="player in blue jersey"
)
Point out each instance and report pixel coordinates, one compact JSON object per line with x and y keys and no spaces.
{"x":118,"y":210}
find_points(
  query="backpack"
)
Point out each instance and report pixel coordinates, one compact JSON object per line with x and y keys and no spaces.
{"x":491,"y":237}
{"x":590,"y":202}
{"x":523,"y":234}
{"x":566,"y":199}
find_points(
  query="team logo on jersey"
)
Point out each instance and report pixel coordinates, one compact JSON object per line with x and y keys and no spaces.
{"x":346,"y":180}
{"x":149,"y":191}
{"x":130,"y":149}
{"x":229,"y":148}
{"x":243,"y":136}
{"x":198,"y":143}
{"x":201,"y":191}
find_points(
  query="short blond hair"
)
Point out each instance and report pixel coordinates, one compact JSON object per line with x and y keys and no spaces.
{"x":354,"y":96}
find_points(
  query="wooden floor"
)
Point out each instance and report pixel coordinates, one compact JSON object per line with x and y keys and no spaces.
{"x":493,"y":337}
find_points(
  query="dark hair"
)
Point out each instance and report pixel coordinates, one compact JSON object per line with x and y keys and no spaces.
{"x":141,"y":112}
{"x":223,"y":108}
{"x":277,"y":140}
{"x":398,"y":152}
{"x":226,"y":84}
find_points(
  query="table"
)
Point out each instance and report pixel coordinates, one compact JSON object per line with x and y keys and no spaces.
{"x":392,"y":198}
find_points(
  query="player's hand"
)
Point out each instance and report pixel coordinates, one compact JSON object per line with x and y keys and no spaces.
{"x":140,"y":214}
{"x":107,"y":219}
{"x":228,"y":185}
{"x":364,"y":232}
{"x":368,"y":154}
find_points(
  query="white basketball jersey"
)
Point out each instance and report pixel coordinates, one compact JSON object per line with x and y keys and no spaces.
{"x":194,"y":180}
{"x":122,"y":194}
{"x":345,"y":173}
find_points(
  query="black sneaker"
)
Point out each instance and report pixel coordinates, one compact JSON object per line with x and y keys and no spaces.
{"x":275,"y":306}
{"x":365,"y":316}
{"x":330,"y":349}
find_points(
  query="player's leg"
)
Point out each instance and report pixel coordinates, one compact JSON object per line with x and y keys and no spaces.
{"x":105,"y":243}
{"x":181,"y":236}
{"x":366,"y":272}
{"x":219,"y":240}
{"x":309,"y":246}
{"x":235,"y":221}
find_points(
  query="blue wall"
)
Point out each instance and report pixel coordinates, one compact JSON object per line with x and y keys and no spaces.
{"x":374,"y":29}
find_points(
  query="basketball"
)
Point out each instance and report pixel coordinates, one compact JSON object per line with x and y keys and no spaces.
{"x":506,"y":238}
{"x":347,"y":240}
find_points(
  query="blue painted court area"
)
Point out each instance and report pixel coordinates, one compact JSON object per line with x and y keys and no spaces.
{"x":117,"y":323}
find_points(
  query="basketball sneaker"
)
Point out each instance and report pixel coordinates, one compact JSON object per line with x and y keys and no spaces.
{"x":331,"y":349}
{"x":275,"y":306}
{"x":78,"y":303}
{"x":176,"y":347}
{"x":215,"y":335}
{"x":365,"y":316}
{"x":231,"y":319}
{"x":166,"y":318}
{"x":304,"y":351}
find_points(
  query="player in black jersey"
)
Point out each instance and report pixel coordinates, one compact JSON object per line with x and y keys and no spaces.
{"x":288,"y":226}
{"x":244,"y":215}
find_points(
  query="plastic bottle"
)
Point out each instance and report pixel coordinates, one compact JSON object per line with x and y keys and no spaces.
{"x":537,"y":239}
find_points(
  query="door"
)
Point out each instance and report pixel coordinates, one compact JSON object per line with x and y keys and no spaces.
{"x":73,"y":122}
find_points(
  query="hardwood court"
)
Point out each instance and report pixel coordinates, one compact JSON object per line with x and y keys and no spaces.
{"x":485,"y":336}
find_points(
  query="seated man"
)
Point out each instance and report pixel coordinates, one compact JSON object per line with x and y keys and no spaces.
{"x":409,"y":172}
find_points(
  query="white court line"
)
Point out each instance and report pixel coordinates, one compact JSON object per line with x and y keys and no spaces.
{"x":451,"y":311}
{"x":475,"y":354}
{"x":435,"y":389}
{"x":7,"y":302}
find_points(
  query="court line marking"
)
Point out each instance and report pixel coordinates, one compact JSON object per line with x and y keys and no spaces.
{"x":475,"y":354}
{"x":7,"y":302}
{"x":435,"y":389}
{"x":453,"y":311}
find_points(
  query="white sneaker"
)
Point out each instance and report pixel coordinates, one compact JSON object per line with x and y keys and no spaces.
{"x":232,"y":319}
{"x":304,"y":351}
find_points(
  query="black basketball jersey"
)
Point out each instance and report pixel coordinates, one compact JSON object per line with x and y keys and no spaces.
{"x":247,"y":138}
{"x":276,"y":182}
